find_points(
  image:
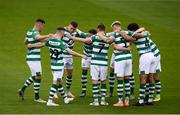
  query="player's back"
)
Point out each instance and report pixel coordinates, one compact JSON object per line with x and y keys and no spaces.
{"x":56,"y":48}
{"x":143,"y":44}
{"x":99,"y":51}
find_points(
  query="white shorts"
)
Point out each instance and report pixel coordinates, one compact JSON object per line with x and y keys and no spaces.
{"x":112,"y":61}
{"x":98,"y":72}
{"x":156,"y":67}
{"x":86,"y":63}
{"x":35,"y":67}
{"x":68,"y":63}
{"x":123,"y":68}
{"x":146,"y":63}
{"x":57,"y":75}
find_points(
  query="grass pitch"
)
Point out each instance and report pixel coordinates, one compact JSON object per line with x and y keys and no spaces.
{"x":160,"y":17}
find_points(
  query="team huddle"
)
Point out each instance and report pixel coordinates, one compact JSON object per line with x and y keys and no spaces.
{"x":95,"y":57}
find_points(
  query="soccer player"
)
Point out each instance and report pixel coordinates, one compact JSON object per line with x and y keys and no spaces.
{"x":33,"y":59}
{"x":111,"y":74}
{"x":157,"y":60}
{"x":157,"y":70}
{"x":146,"y":63}
{"x":116,"y":26}
{"x":111,"y":77}
{"x":123,"y":62}
{"x":56,"y":47}
{"x":68,"y":60}
{"x":99,"y":64}
{"x":85,"y":64}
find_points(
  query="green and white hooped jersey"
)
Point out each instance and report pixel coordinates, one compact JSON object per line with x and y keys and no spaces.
{"x":87,"y":48}
{"x":99,"y":52}
{"x":143,"y":44}
{"x":33,"y":54}
{"x":122,"y":55}
{"x":109,"y":35}
{"x":56,"y":48}
{"x":69,"y":43}
{"x":154,"y":48}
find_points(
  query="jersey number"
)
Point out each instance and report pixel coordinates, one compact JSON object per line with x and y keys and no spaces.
{"x":102,"y":46}
{"x":54,"y":52}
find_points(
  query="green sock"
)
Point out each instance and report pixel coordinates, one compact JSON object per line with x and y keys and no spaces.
{"x":111,"y":82}
{"x":103,"y":91}
{"x":158,"y":87}
{"x":95,"y":91}
{"x":127,"y":88}
{"x":151,"y":92}
{"x":120,"y":89}
{"x":37,"y":87}
{"x":68,"y":82}
{"x":61,"y":90}
{"x":147,"y":89}
{"x":84,"y":80}
{"x":28,"y":82}
{"x":53,"y":90}
{"x":141,"y":93}
{"x":132,"y":83}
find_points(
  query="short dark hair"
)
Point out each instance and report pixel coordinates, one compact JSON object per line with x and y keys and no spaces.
{"x":74,"y":24}
{"x":133,"y":27}
{"x":101,"y":27}
{"x":92,"y":31}
{"x":60,"y":29}
{"x":40,"y":20}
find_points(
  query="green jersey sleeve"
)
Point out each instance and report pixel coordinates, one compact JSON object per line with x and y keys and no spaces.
{"x":63,"y":46}
{"x":130,"y":33}
{"x":93,"y":38}
{"x":83,"y":35}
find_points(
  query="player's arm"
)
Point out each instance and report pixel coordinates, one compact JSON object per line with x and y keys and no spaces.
{"x":139,"y":30}
{"x":119,"y":48}
{"x":125,"y":36}
{"x":106,"y":39}
{"x":39,"y":45}
{"x":76,"y":54}
{"x":141,"y":35}
{"x":45,"y":39}
{"x":87,"y":40}
{"x":42,"y":37}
